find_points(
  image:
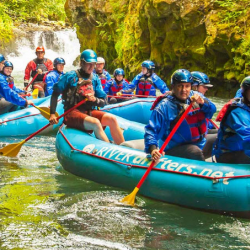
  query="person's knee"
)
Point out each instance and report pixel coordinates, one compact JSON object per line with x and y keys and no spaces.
{"x":196,"y":153}
{"x":110,"y":120}
{"x":95,"y":123}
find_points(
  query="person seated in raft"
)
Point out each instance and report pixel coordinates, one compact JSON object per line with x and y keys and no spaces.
{"x":117,"y":86}
{"x":9,"y":93}
{"x":189,"y":140}
{"x":147,"y":81}
{"x":80,"y":84}
{"x":103,"y":74}
{"x":201,"y":83}
{"x":40,"y":66}
{"x":53,"y":76}
{"x":238,"y":93}
{"x":2,"y":59}
{"x":233,"y":142}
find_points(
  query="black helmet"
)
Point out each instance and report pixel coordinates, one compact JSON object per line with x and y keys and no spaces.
{"x":245,"y":84}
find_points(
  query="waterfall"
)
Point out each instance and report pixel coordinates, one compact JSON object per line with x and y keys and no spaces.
{"x":62,"y":43}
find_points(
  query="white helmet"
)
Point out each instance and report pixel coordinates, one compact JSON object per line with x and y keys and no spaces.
{"x":100,"y":60}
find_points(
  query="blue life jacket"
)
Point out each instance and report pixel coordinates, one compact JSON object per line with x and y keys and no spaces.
{"x":112,"y":87}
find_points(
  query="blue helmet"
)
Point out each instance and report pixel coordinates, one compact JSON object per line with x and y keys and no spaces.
{"x":118,"y":72}
{"x":200,"y":78}
{"x":181,"y":75}
{"x":89,"y":56}
{"x":245,"y":84}
{"x":148,"y":64}
{"x":59,"y":60}
{"x":2,"y":58}
{"x":8,"y":64}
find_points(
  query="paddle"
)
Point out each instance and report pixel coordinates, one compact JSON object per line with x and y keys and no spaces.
{"x":214,"y":124}
{"x":45,"y":112}
{"x":130,"y":199}
{"x":13,"y":149}
{"x":34,"y":78}
{"x":34,"y":94}
{"x":145,"y":96}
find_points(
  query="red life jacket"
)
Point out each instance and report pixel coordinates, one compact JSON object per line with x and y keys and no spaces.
{"x":223,"y":111}
{"x":197,"y":124}
{"x":10,"y":81}
{"x":103,"y":79}
{"x":144,"y":86}
{"x":115,"y":87}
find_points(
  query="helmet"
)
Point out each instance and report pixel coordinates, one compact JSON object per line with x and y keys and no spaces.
{"x":200,"y":78}
{"x":119,"y":71}
{"x":40,"y":49}
{"x":8,"y":64}
{"x":181,"y":75}
{"x":245,"y":84}
{"x":59,"y":60}
{"x":148,"y":64}
{"x":89,"y":56}
{"x":2,"y":58}
{"x":100,"y":60}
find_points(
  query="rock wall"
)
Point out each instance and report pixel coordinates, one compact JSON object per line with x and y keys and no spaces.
{"x":211,"y":36}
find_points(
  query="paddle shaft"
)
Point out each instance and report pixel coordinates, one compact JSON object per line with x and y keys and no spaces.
{"x":145,"y":96}
{"x":214,"y":124}
{"x":34,"y":78}
{"x":165,"y":144}
{"x":46,"y":126}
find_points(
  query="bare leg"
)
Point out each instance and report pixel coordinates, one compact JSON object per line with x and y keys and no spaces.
{"x":91,"y":123}
{"x":115,"y":130}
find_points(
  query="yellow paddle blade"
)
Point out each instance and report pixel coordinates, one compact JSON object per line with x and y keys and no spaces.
{"x":35,"y":93}
{"x":130,"y":199}
{"x":45,"y":112}
{"x":12,"y":150}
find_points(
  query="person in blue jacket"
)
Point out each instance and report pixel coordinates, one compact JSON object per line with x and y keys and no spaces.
{"x":190,"y":138}
{"x":147,"y":81}
{"x":238,"y":93}
{"x":53,"y":76}
{"x":202,"y":84}
{"x":9,"y":93}
{"x":2,"y":59}
{"x":77,"y":85}
{"x":117,"y":86}
{"x":103,"y":74}
{"x":233,"y":142}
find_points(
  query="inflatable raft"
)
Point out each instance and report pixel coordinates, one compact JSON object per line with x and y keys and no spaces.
{"x":137,"y":110}
{"x":213,"y":187}
{"x":26,"y":121}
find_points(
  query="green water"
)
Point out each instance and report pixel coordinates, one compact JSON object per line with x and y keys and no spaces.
{"x":44,"y":207}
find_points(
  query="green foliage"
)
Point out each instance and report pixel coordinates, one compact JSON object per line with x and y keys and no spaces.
{"x":16,"y":11}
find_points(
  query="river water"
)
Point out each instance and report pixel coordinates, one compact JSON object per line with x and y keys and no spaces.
{"x":44,"y":207}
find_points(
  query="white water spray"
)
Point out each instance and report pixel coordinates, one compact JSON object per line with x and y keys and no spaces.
{"x":63,"y":43}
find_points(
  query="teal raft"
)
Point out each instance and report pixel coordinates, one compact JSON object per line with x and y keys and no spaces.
{"x":213,"y":187}
{"x":24,"y":122}
{"x":137,"y":110}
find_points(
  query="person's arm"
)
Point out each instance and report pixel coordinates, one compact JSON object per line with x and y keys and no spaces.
{"x":99,"y":93}
{"x":10,"y":95}
{"x":49,"y":65}
{"x":135,"y":82}
{"x":239,"y":121}
{"x":50,"y":81}
{"x":28,"y":70}
{"x":160,"y":84}
{"x":108,"y":77}
{"x":107,"y":87}
{"x":207,"y":107}
{"x":156,"y":128}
